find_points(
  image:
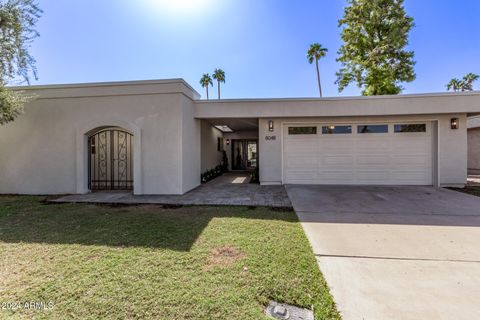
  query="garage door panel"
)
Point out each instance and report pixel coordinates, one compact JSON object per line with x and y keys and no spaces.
{"x":410,"y":146}
{"x":372,"y":177}
{"x":301,"y":176}
{"x":411,"y":177}
{"x":302,"y":161}
{"x":336,"y":177}
{"x":372,"y":145}
{"x":409,"y":160}
{"x":369,"y":158}
{"x":301,"y":148}
{"x":337,"y":160}
{"x":331,"y":144}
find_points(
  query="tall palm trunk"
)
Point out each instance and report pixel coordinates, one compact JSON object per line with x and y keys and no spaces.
{"x":318,"y":76}
{"x":218,"y":89}
{"x":207,"y":91}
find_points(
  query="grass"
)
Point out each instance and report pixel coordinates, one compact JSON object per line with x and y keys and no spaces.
{"x":100,"y":262}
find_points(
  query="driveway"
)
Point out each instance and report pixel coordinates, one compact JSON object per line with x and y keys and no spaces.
{"x":395,"y":252}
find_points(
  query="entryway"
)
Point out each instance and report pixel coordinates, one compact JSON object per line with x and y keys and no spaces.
{"x":231,"y":188}
{"x":110,"y":165}
{"x":244,"y":154}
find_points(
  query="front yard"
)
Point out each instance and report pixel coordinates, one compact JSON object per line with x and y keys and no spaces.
{"x":94,"y":262}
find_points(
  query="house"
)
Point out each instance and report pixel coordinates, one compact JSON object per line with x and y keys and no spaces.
{"x":157,"y":137}
{"x":473,"y":134}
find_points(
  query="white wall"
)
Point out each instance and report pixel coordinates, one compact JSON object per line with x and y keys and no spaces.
{"x":191,"y":146}
{"x":39,"y":150}
{"x":452,"y":145}
{"x":211,"y":157}
{"x":453,"y":151}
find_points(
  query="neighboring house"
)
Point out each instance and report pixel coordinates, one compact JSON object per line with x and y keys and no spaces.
{"x":473,"y":133}
{"x":157,"y":137}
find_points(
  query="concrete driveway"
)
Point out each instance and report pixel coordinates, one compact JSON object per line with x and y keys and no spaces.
{"x":395,"y":252}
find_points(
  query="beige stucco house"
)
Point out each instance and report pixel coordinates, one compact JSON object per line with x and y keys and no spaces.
{"x":157,"y":137}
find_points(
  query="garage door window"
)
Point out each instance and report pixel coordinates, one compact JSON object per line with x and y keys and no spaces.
{"x":302,"y":130}
{"x":336,"y":129}
{"x":377,"y":128}
{"x":399,"y":128}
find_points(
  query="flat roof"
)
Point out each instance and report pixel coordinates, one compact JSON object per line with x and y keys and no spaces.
{"x":408,"y":104}
{"x":114,"y":88}
{"x":402,"y":104}
{"x":397,"y":96}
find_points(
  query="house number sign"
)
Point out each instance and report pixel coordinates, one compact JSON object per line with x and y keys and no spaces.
{"x":270,"y":138}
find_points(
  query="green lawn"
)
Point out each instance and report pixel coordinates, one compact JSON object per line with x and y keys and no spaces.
{"x":100,"y":262}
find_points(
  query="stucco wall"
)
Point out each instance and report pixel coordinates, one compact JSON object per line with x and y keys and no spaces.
{"x":474,"y":150}
{"x":191,"y":146}
{"x":452,"y":145}
{"x":40,"y":148}
{"x":211,"y":157}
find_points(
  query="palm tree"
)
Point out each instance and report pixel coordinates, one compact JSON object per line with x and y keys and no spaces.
{"x":315,"y":53}
{"x":219,"y":75}
{"x":206,"y":81}
{"x":468,"y":81}
{"x":455,"y":85}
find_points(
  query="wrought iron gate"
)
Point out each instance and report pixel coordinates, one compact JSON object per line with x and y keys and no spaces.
{"x":110,"y":165}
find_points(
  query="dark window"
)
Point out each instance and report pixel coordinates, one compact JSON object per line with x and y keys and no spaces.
{"x":336,"y":129}
{"x":376,"y":128}
{"x":219,"y":144}
{"x":411,"y":128}
{"x":302,"y":130}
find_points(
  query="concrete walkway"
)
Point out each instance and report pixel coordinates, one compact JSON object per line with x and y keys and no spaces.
{"x":228,"y":189}
{"x":395,"y":252}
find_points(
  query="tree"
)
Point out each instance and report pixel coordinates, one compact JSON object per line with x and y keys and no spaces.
{"x":315,"y":53}
{"x":17,"y":31}
{"x":206,"y":81}
{"x":219,"y":75}
{"x":375,"y":34}
{"x":468,"y":81}
{"x":11,"y":104}
{"x":466,"y":84}
{"x":455,"y":85}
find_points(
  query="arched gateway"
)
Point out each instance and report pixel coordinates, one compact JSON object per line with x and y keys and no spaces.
{"x":110,"y":161}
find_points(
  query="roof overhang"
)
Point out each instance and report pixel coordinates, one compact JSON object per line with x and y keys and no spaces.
{"x":236,"y":124}
{"x":119,"y":88}
{"x":412,"y":104}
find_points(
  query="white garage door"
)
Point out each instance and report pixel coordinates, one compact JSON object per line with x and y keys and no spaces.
{"x":398,"y":153}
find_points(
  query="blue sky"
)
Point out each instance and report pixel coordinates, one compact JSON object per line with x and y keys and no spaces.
{"x":261,"y":45}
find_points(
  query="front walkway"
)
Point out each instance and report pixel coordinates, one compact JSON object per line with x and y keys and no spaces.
{"x":228,"y":189}
{"x":395,"y":252}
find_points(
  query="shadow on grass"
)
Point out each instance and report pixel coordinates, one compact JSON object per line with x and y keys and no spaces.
{"x":28,"y":219}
